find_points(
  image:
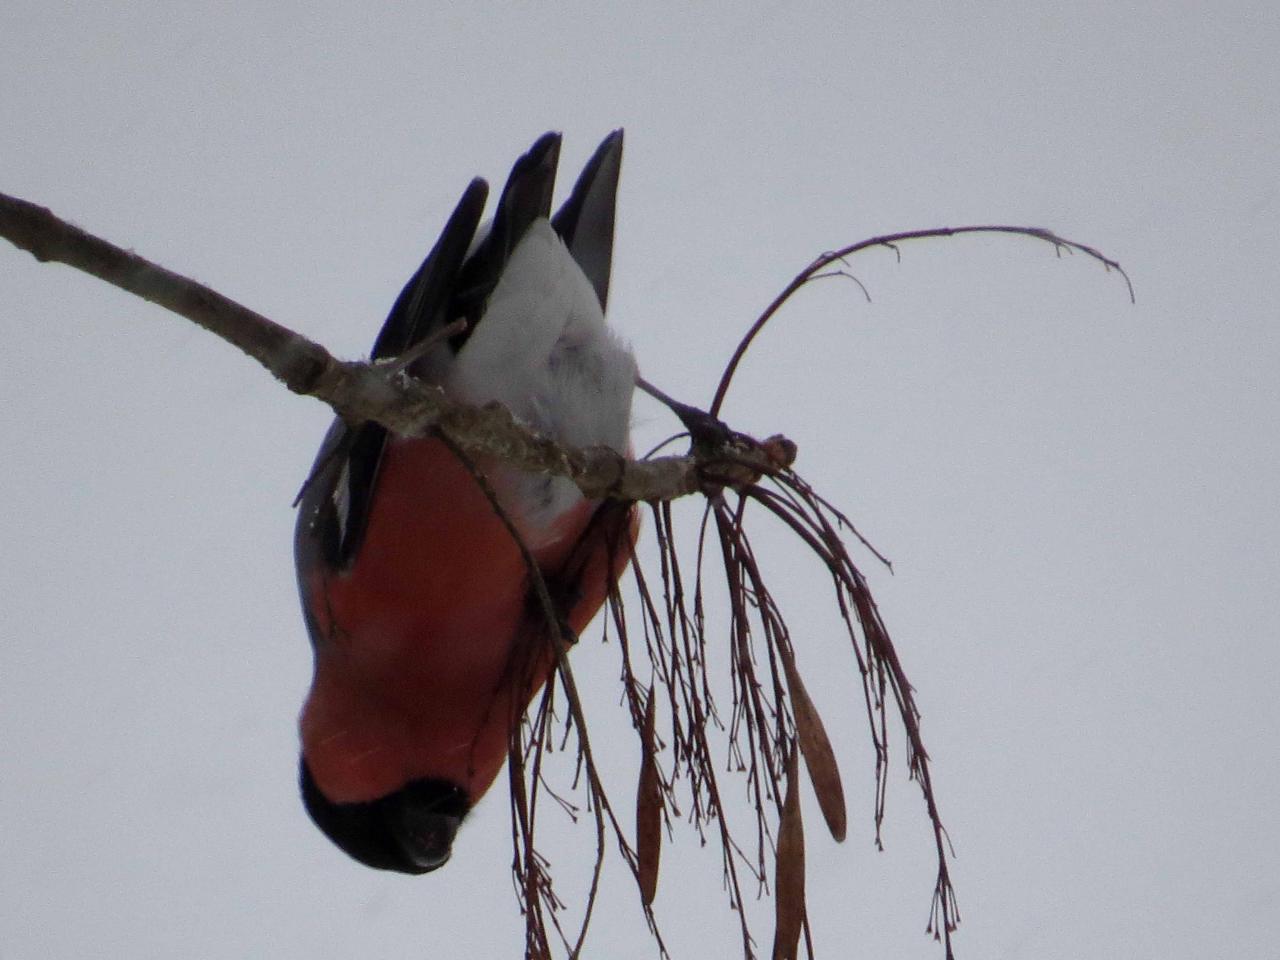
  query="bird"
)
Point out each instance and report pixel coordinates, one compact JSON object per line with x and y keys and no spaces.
{"x":428,"y":643}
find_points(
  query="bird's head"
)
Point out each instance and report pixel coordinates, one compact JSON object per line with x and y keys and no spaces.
{"x":409,"y":830}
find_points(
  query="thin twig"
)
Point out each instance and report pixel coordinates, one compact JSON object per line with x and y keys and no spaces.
{"x":891,"y":240}
{"x":598,"y":798}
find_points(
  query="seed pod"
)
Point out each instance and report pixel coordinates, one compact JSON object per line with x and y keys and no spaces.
{"x":649,"y":808}
{"x":819,"y":758}
{"x":789,"y":882}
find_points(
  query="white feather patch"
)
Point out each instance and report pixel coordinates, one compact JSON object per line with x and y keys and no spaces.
{"x":543,"y":350}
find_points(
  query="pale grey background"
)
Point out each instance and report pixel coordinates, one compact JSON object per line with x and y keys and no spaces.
{"x":1079,"y":494}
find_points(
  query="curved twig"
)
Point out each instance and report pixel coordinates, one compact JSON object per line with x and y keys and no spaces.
{"x":816,"y":270}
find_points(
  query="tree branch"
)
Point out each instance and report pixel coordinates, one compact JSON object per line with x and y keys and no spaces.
{"x":363,"y":391}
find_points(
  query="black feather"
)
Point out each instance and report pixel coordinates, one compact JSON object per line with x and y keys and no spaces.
{"x":585,"y":222}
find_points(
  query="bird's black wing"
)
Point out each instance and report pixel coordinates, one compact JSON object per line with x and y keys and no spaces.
{"x":335,"y":504}
{"x":336,"y":501}
{"x":525,"y":198}
{"x":585,"y":222}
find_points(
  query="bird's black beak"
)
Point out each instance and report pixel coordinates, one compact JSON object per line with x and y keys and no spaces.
{"x":425,"y":837}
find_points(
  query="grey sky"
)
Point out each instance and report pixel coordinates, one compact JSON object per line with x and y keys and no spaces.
{"x":1079,"y":495}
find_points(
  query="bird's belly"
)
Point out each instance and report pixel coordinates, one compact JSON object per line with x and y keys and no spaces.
{"x":428,"y":646}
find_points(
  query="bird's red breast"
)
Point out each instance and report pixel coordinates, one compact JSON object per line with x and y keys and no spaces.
{"x":431,"y":644}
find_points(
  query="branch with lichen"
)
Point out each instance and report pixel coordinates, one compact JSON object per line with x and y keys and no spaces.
{"x":360,"y":391}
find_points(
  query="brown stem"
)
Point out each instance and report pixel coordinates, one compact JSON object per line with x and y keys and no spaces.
{"x":815,"y":270}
